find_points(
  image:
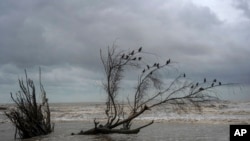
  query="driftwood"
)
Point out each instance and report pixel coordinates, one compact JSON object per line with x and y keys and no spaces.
{"x":30,"y":118}
{"x":110,"y":129}
{"x":104,"y":130}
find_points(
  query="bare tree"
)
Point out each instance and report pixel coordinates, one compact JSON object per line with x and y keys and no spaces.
{"x":180,"y":92}
{"x":30,"y":118}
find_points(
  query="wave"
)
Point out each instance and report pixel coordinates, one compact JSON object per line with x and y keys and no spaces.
{"x":217,"y":112}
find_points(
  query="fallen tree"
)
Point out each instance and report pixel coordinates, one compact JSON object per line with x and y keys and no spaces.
{"x":29,"y":117}
{"x":151,"y":91}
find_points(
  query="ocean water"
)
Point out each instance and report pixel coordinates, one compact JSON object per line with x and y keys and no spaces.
{"x":170,"y":124}
{"x":217,"y":112}
{"x":155,"y":132}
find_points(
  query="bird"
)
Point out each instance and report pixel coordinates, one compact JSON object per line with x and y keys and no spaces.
{"x":143,"y":71}
{"x":192,"y":86}
{"x":132,"y":53}
{"x":168,"y":61}
{"x":214,"y":80}
{"x":201,"y":89}
{"x":197,"y":84}
{"x":139,"y":50}
{"x":219,"y":83}
{"x":154,"y":65}
{"x":151,"y":72}
{"x":148,"y":66}
{"x":205,"y":80}
{"x":123,"y":56}
{"x":212,"y":85}
{"x":139,"y":58}
{"x":158,"y":65}
{"x":127,"y":57}
{"x":184,"y":75}
{"x":134,"y":58}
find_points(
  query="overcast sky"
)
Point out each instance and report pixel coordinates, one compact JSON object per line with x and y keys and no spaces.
{"x":207,"y":38}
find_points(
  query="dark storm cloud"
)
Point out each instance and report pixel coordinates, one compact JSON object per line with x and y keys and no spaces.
{"x":64,"y":37}
{"x":244,"y":5}
{"x":35,"y":34}
{"x":50,"y":33}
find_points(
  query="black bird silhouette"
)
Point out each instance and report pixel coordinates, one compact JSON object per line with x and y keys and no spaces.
{"x":148,"y":66}
{"x":134,"y":58}
{"x":139,"y":50}
{"x":151,"y":73}
{"x":212,"y":85}
{"x":214,"y":80}
{"x":123,"y":56}
{"x":205,"y":80}
{"x":168,"y":61}
{"x":184,"y":75}
{"x":143,"y":71}
{"x":192,"y":86}
{"x":139,"y":58}
{"x":132,"y":53}
{"x":154,"y":65}
{"x":201,"y":89}
{"x":127,"y":57}
{"x":158,"y":65}
{"x":219,"y":83}
{"x":197,"y":84}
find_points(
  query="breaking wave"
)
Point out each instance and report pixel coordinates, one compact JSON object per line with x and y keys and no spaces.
{"x":218,"y":112}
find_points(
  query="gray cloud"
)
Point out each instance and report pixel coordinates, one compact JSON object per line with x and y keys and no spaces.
{"x":65,"y":38}
{"x":243,"y":5}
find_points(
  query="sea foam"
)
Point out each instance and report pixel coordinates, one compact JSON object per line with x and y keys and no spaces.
{"x":217,"y":112}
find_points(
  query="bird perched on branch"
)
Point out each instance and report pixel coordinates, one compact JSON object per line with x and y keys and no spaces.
{"x":139,"y":58}
{"x":134,"y":58}
{"x":214,"y":80}
{"x":132,"y":53}
{"x":158,"y":65}
{"x":219,"y":83}
{"x":197,"y":84}
{"x":205,"y":80}
{"x":143,"y":71}
{"x":168,"y":61}
{"x":148,"y":66}
{"x":139,"y":50}
{"x":184,"y":75}
{"x":123,"y":56}
{"x":212,"y":85}
{"x":201,"y":89}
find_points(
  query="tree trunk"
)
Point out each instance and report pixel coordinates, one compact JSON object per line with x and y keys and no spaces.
{"x":104,"y":130}
{"x":94,"y":131}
